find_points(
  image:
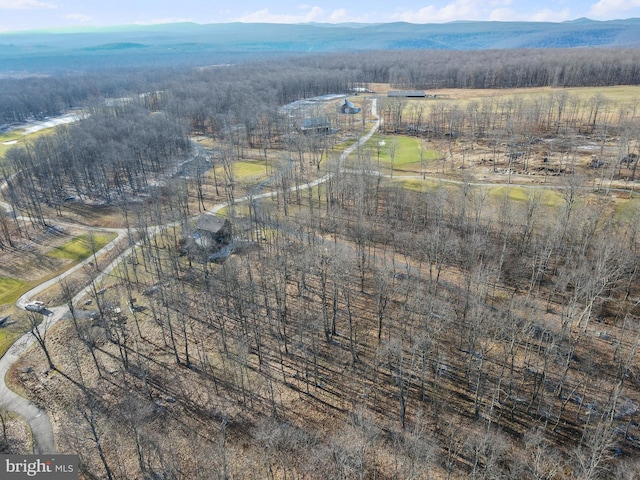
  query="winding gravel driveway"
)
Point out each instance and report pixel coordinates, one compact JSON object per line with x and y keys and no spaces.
{"x":9,"y":400}
{"x":43,"y":441}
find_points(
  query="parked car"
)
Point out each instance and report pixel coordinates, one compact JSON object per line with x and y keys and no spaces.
{"x":35,"y":306}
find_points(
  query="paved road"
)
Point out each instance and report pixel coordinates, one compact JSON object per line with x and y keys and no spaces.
{"x":38,"y":419}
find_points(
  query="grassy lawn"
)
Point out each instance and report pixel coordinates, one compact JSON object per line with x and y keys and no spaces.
{"x":548,"y":196}
{"x":14,"y":329}
{"x":243,"y":170}
{"x":80,"y":247}
{"x":9,"y":140}
{"x":11,"y":289}
{"x":627,"y":210}
{"x":416,"y":185}
{"x":407,"y":151}
{"x":240,"y":209}
{"x":518,"y":194}
{"x":7,"y":338}
{"x":19,"y":138}
{"x":76,"y":249}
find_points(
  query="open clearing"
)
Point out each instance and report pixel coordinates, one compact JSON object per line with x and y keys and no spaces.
{"x":18,"y":137}
{"x":81,"y":247}
{"x":32,"y":130}
{"x":616,"y":95}
{"x":44,"y":256}
{"x":406,"y":151}
{"x":11,"y":289}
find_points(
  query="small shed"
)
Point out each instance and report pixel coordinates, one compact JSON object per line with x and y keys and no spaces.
{"x":358,"y":90}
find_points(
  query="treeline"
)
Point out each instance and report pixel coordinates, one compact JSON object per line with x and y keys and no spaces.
{"x":500,"y":68}
{"x":38,"y":97}
{"x":111,"y":155}
{"x":280,"y":81}
{"x":216,"y":98}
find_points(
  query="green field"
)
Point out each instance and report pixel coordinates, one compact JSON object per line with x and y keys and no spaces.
{"x":11,"y":289}
{"x":7,"y":139}
{"x":81,"y":247}
{"x":417,"y":185}
{"x":7,"y":338}
{"x":19,"y":137}
{"x":76,"y":249}
{"x":628,"y":210}
{"x":243,"y":170}
{"x":515,"y":193}
{"x":407,"y":151}
{"x":548,"y":196}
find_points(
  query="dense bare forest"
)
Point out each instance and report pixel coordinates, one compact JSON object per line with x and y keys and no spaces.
{"x":352,"y":324}
{"x":309,"y":75}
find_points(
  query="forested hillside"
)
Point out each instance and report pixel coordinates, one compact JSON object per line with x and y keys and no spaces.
{"x":433,"y":287}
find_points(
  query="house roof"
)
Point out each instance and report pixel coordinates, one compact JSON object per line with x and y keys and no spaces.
{"x":349,"y":107}
{"x":210,"y":223}
{"x":314,"y":123}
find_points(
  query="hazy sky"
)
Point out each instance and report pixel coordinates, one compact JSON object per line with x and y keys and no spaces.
{"x":30,"y":14}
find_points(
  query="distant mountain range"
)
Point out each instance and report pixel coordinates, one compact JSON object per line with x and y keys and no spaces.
{"x":195,"y":44}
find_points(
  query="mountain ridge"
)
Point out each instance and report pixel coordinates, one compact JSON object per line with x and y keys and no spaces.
{"x":194,"y":43}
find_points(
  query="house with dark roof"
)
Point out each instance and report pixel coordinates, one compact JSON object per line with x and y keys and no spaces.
{"x":210,"y":236}
{"x":212,"y":231}
{"x":315,"y":125}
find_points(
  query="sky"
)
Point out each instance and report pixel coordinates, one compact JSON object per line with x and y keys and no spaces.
{"x":46,"y":14}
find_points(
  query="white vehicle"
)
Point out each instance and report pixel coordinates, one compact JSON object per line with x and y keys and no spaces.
{"x":35,"y":306}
